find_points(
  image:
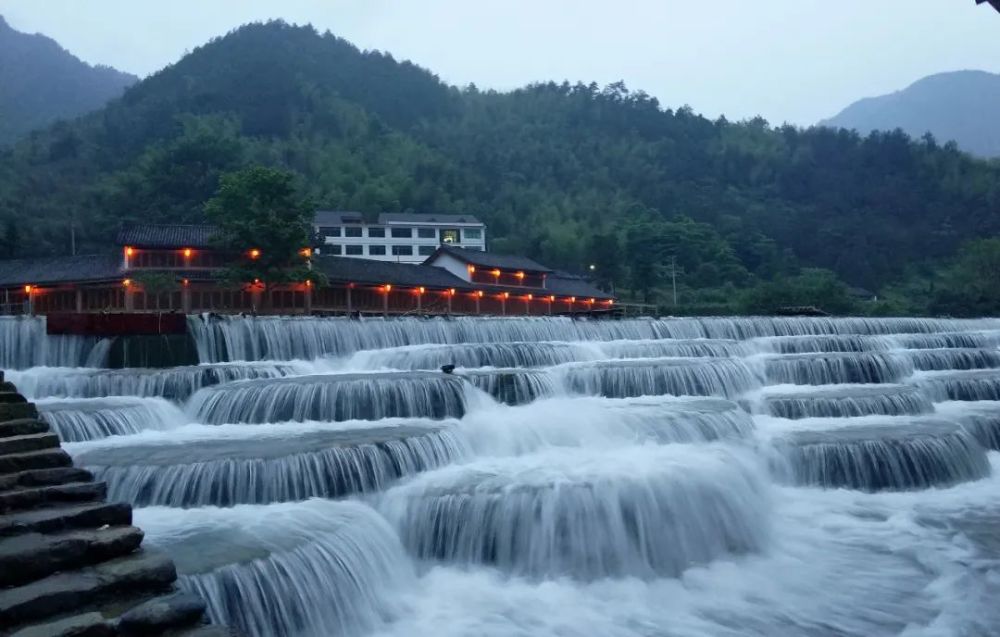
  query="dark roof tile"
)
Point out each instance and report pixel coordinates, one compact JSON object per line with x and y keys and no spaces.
{"x":166,"y":236}
{"x":371,"y":272}
{"x":49,"y":270}
{"x":489,"y":259}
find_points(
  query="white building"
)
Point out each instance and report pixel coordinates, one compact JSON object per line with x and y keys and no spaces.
{"x":396,"y":236}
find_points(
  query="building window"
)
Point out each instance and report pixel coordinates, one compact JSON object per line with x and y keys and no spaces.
{"x":354,"y":251}
{"x":473,"y":233}
{"x":402,"y":251}
{"x":352,"y":231}
{"x":449,"y":236}
{"x":335,"y":248}
{"x":402,"y":233}
{"x":426,"y":251}
{"x":376,"y":250}
{"x":376,"y":232}
{"x":426,"y":233}
{"x":330,"y":231}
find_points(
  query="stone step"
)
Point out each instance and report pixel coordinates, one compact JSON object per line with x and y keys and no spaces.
{"x":17,"y":411}
{"x":44,"y":459}
{"x":22,"y":427}
{"x":168,"y":612}
{"x":28,"y":442}
{"x":6,"y":386}
{"x":85,"y":625}
{"x":207,"y":631}
{"x":56,"y":519}
{"x":12,"y":397}
{"x":84,"y":589}
{"x":43,"y":477}
{"x":29,"y":557}
{"x":37,"y":497}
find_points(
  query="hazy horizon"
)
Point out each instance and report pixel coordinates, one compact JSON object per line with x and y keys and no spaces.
{"x":793,"y":60}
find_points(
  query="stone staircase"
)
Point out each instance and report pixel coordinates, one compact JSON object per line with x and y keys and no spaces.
{"x":72,"y":564}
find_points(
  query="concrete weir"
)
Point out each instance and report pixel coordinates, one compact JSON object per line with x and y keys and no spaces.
{"x":71,"y":563}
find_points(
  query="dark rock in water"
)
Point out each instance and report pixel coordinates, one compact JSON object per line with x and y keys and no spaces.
{"x":85,"y":625}
{"x":12,"y":397}
{"x":17,"y":411}
{"x":513,"y":386}
{"x":447,"y":369}
{"x":161,"y":613}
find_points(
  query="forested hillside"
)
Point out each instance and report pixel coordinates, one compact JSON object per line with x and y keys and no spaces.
{"x":41,"y":82}
{"x":570,"y":174}
{"x":958,"y":106}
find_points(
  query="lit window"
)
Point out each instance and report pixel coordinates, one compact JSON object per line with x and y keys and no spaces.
{"x":426,"y":251}
{"x":402,"y":233}
{"x":449,"y":236}
{"x":473,"y":233}
{"x":354,"y":231}
{"x":376,"y":233}
{"x":402,"y":251}
{"x":353,"y":251}
{"x":376,"y":250}
{"x":330,"y":231}
{"x":426,"y":233}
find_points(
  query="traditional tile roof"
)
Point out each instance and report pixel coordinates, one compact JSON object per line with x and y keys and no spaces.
{"x":370,"y":272}
{"x":488,"y":259}
{"x":166,"y":236}
{"x":49,"y":270}
{"x":563,"y":284}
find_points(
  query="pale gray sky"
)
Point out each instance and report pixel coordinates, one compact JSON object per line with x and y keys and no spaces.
{"x":788,"y":60}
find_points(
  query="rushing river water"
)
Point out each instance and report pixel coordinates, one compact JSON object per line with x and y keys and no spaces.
{"x":675,"y":477}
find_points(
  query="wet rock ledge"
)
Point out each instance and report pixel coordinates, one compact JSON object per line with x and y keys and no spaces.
{"x":71,"y":563}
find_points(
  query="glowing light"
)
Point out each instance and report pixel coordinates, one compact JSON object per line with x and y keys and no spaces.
{"x":309,"y":284}
{"x":519,"y":275}
{"x":254,"y":253}
{"x":529,"y":297}
{"x":185,"y":282}
{"x":590,"y":301}
{"x":472,"y":269}
{"x":451,"y":291}
{"x":421,"y":290}
{"x":129,"y":251}
{"x":188,"y":252}
{"x":306,"y":252}
{"x":127,"y":283}
{"x":479,"y":293}
{"x":506,"y":295}
{"x":256,"y":281}
{"x":552,"y":297}
{"x":387,"y":288}
{"x":28,"y":289}
{"x":611,"y":302}
{"x":496,"y":273}
{"x":572,"y":299}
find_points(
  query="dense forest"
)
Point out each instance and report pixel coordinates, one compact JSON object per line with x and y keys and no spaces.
{"x":746,"y":215}
{"x":40,"y":82}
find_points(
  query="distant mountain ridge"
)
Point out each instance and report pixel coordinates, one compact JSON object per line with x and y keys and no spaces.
{"x":41,"y":82}
{"x":960,"y":106}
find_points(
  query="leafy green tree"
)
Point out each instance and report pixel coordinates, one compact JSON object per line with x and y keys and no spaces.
{"x":260,"y":216}
{"x":969,"y":286}
{"x":813,"y":287}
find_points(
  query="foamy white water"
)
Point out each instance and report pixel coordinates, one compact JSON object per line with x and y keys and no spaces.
{"x":681,"y":477}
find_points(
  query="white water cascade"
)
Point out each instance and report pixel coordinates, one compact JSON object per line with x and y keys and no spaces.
{"x":692,"y":477}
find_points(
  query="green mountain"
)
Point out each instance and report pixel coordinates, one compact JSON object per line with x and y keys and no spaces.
{"x":958,"y":106}
{"x":40,"y":82}
{"x":570,"y":174}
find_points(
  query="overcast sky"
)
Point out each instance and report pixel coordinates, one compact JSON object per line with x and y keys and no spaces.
{"x":788,"y":60}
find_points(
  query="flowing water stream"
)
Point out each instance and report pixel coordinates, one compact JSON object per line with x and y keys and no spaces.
{"x":636,"y":478}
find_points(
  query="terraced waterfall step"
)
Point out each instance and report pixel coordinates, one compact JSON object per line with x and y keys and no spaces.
{"x":71,"y":563}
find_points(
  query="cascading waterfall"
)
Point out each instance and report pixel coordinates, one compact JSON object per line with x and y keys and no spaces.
{"x":24,"y":343}
{"x":654,"y":377}
{"x":648,"y":512}
{"x":763,"y":476}
{"x":173,"y":384}
{"x":845,"y":401}
{"x":334,"y":397}
{"x":240,"y":464}
{"x":837,"y":368}
{"x":77,"y":420}
{"x":882,"y":454}
{"x":314,"y":568}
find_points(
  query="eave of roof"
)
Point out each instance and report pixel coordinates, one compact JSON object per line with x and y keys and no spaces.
{"x":167,"y":236}
{"x":59,"y":270}
{"x":489,"y":260}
